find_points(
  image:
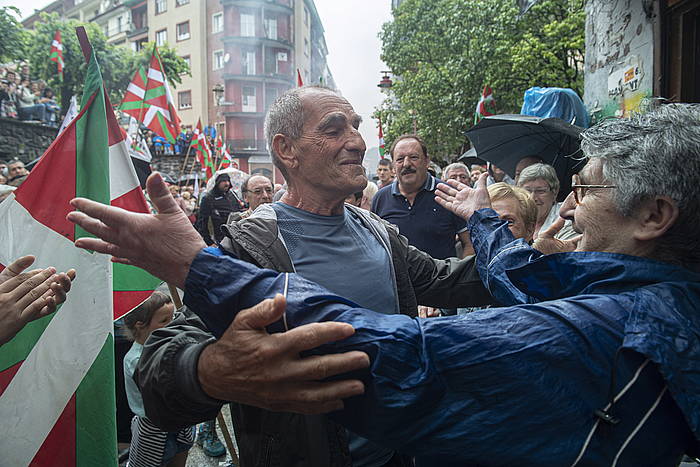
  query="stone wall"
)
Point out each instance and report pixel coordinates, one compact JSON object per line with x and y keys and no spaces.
{"x":619,"y":56}
{"x":23,"y":140}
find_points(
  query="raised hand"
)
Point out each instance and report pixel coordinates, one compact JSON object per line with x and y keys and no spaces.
{"x":26,"y":296}
{"x":461,"y":199}
{"x":163,"y":244}
{"x":547,"y":244}
{"x":250,"y":366}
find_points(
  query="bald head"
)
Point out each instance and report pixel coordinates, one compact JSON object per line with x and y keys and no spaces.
{"x":257,"y":190}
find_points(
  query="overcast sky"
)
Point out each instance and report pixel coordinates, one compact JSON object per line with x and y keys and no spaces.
{"x":351,"y":34}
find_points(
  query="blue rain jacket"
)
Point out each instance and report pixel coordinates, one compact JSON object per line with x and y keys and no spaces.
{"x":595,"y":360}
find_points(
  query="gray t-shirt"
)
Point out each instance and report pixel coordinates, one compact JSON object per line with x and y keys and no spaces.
{"x":340,"y":254}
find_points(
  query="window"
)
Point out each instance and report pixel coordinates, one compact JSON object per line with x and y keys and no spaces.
{"x":271,"y":29}
{"x":270,"y":96}
{"x":248,"y":99}
{"x":187,"y":60}
{"x":306,"y":16}
{"x":307,"y":49}
{"x":250,"y":132}
{"x":217,"y":22}
{"x":183,"y":31}
{"x":120,"y":24}
{"x":181,"y":2}
{"x":218,"y":60}
{"x":247,"y":25}
{"x":248,"y":65}
{"x":184,"y":100}
{"x":161,"y":6}
{"x":161,"y":37}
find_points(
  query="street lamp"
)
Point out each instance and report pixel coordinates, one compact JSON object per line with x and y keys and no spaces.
{"x":385,"y":83}
{"x":218,"y":91}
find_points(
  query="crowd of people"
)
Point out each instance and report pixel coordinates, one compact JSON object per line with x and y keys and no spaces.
{"x":465,"y":318}
{"x":25,"y":98}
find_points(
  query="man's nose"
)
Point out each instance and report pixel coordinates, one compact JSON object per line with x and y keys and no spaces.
{"x":355,"y":142}
{"x":568,"y":207}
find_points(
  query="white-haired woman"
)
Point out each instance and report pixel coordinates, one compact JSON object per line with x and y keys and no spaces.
{"x":542,"y":183}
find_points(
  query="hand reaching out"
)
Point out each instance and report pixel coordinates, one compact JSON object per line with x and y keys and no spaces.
{"x":461,"y":199}
{"x":250,"y":366}
{"x":27,"y":296}
{"x":164,"y":244}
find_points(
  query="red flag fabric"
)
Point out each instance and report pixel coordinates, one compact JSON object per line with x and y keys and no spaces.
{"x":56,"y":54}
{"x":300,"y":83}
{"x":160,"y":114}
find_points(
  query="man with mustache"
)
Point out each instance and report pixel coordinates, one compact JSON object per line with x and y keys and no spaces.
{"x":409,"y":202}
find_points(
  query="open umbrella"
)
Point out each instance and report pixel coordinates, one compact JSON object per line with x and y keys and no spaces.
{"x":237,"y":179}
{"x":469,"y":158}
{"x":505,"y":139}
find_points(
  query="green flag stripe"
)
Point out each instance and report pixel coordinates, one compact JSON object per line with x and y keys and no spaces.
{"x":133,"y":105}
{"x":92,"y":145}
{"x":19,"y":347}
{"x":129,"y":278}
{"x":166,"y":128}
{"x":96,"y":430}
{"x":155,"y":92}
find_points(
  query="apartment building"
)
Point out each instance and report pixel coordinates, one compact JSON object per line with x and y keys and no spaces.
{"x":242,"y":55}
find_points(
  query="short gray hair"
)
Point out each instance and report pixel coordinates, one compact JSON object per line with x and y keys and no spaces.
{"x":455,"y":165}
{"x":544,"y":171}
{"x":286,"y":117}
{"x":657,"y":153}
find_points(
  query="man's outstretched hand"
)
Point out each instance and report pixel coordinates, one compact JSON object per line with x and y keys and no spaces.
{"x":461,"y":199}
{"x":164,"y":244}
{"x":26,"y":296}
{"x":250,"y":366}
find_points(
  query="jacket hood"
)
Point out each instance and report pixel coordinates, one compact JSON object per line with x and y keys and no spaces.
{"x":664,"y":324}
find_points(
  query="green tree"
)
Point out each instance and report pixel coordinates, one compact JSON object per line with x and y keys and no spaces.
{"x":14,"y":37}
{"x":444,"y":51}
{"x":117,"y":63}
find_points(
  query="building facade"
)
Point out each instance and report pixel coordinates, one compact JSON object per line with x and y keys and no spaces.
{"x":250,"y":50}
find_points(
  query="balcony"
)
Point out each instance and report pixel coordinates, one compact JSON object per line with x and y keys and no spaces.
{"x":133,"y":31}
{"x":273,"y":78}
{"x":246,"y":145}
{"x":255,"y":40}
{"x":270,"y":5}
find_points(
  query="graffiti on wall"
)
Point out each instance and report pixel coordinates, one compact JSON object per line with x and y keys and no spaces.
{"x":625,"y":86}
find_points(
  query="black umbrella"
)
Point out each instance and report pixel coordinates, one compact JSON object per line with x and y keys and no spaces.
{"x":469,"y":158}
{"x":505,"y":139}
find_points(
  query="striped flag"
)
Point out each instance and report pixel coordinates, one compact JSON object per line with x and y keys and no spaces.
{"x":160,"y":115}
{"x":227,"y":161}
{"x":486,"y":105}
{"x":300,"y":83}
{"x":202,"y":149}
{"x":133,"y":101}
{"x":57,"y":393}
{"x":56,"y":54}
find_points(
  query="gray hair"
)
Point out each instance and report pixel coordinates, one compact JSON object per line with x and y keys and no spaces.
{"x":657,"y":153}
{"x":455,"y":165}
{"x":544,"y":171}
{"x":286,"y":117}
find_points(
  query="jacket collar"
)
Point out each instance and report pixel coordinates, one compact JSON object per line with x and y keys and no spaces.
{"x":429,"y":185}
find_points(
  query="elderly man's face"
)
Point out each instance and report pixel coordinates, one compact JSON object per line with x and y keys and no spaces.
{"x":16,"y":169}
{"x":508,"y":209}
{"x":603,"y":227}
{"x":259,"y":191}
{"x":410,"y":163}
{"x":460,"y":175}
{"x":330,"y":150}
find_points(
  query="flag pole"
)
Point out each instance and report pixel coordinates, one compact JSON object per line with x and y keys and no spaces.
{"x":184,"y":164}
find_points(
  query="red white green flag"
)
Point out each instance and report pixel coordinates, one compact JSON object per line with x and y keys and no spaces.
{"x":202,"y":150}
{"x":160,"y":115}
{"x":300,"y":83}
{"x":56,"y":54}
{"x":227,"y":161}
{"x":57,"y":393}
{"x":133,"y":102}
{"x":382,"y":148}
{"x":486,"y":105}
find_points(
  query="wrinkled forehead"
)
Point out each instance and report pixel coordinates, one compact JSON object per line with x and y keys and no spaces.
{"x":457,"y":170}
{"x":259,"y":181}
{"x":592,"y":171}
{"x":322,"y":105}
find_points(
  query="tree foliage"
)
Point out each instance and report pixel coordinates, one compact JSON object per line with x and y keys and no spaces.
{"x":14,"y":37}
{"x":117,"y":63}
{"x":443,"y":52}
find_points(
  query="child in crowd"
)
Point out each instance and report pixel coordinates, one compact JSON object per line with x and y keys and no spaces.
{"x":149,"y":445}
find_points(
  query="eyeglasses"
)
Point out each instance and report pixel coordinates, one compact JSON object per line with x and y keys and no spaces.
{"x":259,"y":191}
{"x":537,"y":191}
{"x":580,"y":190}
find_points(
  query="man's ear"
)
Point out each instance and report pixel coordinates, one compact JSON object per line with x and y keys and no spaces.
{"x":655,"y":216}
{"x":282,"y":145}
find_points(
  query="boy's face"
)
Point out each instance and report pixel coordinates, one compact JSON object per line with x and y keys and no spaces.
{"x":161,"y":318}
